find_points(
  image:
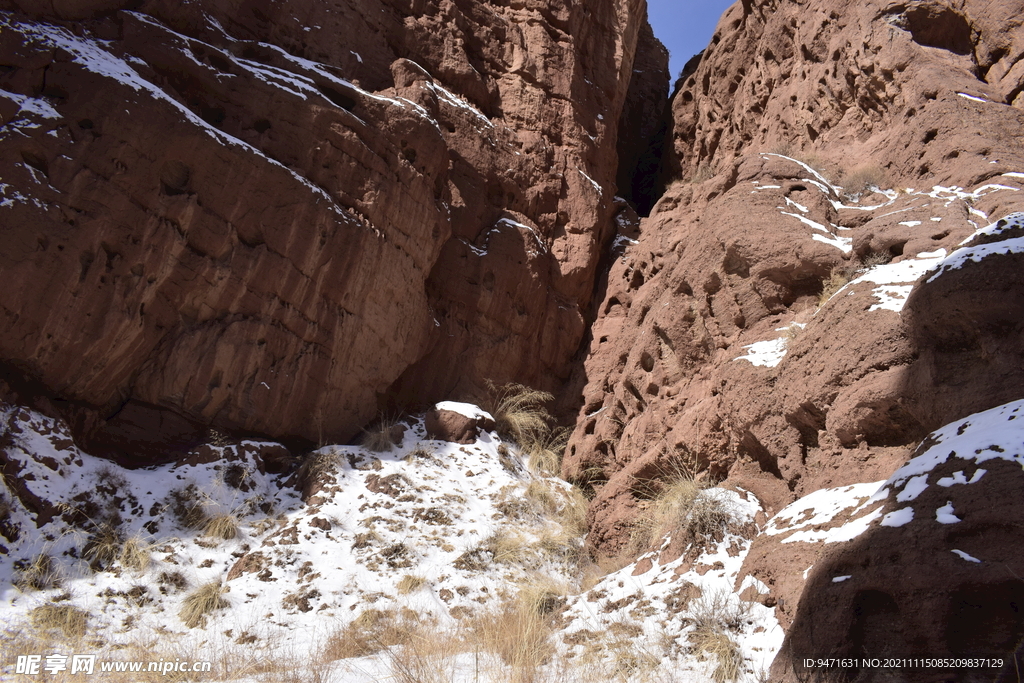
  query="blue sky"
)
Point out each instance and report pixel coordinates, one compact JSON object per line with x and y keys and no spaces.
{"x":685,"y":26}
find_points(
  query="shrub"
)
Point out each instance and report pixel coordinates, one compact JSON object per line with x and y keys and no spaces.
{"x":519,"y":413}
{"x":68,"y":620}
{"x":861,"y":179}
{"x":201,"y":602}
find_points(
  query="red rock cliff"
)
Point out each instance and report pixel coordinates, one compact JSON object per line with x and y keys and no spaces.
{"x":713,"y":342}
{"x":277,"y":217}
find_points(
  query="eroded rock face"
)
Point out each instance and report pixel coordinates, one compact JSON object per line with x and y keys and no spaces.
{"x":714,"y":347}
{"x":928,"y":564}
{"x":226,"y":216}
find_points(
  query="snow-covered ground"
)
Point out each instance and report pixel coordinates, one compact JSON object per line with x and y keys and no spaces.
{"x":358,"y":566}
{"x":427,"y":537}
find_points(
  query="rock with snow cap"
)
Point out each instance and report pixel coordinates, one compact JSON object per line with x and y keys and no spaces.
{"x":457,"y":422}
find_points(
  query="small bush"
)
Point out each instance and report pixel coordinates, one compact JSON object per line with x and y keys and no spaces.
{"x":68,"y":620}
{"x":223,"y":526}
{"x":861,"y":179}
{"x":201,"y":602}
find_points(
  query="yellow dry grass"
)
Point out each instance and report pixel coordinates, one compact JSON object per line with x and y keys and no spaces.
{"x":201,"y":602}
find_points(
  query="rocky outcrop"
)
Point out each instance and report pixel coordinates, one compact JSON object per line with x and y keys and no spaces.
{"x":222,"y":216}
{"x":714,"y":342}
{"x":926,"y":565}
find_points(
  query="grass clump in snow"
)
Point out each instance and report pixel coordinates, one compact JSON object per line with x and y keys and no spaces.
{"x":519,"y":413}
{"x":410,"y":584}
{"x":380,"y":437}
{"x":67,"y":620}
{"x":223,"y":526}
{"x":40,"y":573}
{"x":201,"y":602}
{"x":717,"y":643}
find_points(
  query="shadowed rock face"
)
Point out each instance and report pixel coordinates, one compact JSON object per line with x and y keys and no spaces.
{"x":221,"y":214}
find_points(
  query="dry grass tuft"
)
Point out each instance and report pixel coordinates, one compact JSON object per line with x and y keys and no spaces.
{"x":41,"y":573}
{"x":380,"y":438}
{"x":716,"y":643}
{"x":519,"y":413}
{"x":201,"y":602}
{"x":410,"y":584}
{"x":224,"y":526}
{"x":71,"y":622}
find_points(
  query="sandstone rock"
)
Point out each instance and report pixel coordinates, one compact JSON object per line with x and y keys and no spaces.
{"x":933,"y":571}
{"x":322,"y":227}
{"x":810,"y":145}
{"x":450,"y":425}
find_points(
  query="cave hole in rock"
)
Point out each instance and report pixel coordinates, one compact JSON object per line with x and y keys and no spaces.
{"x":646,"y":362}
{"x":933,"y":25}
{"x":339,"y":98}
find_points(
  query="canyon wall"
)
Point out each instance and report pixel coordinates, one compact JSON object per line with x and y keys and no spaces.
{"x":282,"y":218}
{"x":832,"y":272}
